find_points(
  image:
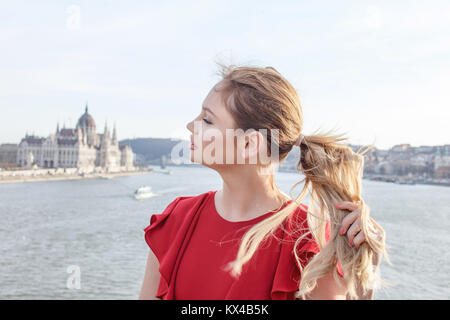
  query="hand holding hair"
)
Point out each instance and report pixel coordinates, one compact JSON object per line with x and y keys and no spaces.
{"x":352,"y":223}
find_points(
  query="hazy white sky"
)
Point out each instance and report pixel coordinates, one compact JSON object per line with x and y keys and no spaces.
{"x":378,"y":70}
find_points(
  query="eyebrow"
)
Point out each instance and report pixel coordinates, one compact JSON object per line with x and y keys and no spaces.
{"x":209,"y":110}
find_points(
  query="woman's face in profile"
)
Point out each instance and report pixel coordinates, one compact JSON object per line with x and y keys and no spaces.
{"x":209,"y":132}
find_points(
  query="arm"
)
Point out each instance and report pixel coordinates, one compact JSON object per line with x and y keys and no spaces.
{"x":369,"y":295}
{"x":151,"y":279}
{"x":351,"y":225}
{"x":328,"y":289}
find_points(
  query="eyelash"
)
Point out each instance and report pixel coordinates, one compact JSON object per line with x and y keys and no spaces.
{"x":208,"y":122}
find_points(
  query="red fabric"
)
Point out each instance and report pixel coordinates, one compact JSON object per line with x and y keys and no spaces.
{"x":195,"y":271}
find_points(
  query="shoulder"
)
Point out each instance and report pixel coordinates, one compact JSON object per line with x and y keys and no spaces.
{"x":182,"y":204}
{"x":297,"y":226}
{"x":298,"y":219}
{"x":175,"y":213}
{"x":189,"y":201}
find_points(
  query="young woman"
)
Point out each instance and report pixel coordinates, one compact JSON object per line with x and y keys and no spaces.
{"x":249,"y":240}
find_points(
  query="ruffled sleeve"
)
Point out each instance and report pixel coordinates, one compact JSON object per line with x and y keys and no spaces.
{"x":287,"y":275}
{"x":159,"y":236}
{"x":166,"y":236}
{"x":156,"y":239}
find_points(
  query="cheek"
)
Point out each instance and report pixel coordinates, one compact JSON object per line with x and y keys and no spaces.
{"x":215,"y":143}
{"x":229,"y":145}
{"x":214,"y":138}
{"x":229,"y":150}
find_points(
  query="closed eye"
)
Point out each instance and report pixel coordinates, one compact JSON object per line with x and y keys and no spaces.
{"x":208,"y":122}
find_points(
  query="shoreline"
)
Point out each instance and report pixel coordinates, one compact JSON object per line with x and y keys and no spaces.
{"x":392,"y":180}
{"x":21,"y":179}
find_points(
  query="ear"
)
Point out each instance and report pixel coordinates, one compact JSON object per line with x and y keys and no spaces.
{"x":253,"y":143}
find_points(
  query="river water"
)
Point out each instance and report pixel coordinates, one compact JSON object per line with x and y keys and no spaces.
{"x":97,"y":226}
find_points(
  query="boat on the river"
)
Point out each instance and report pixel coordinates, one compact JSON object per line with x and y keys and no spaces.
{"x":143,"y":192}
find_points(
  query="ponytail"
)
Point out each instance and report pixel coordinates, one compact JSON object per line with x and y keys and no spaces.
{"x":333,"y":173}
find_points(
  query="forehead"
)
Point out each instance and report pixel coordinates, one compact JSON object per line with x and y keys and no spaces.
{"x":214,"y":99}
{"x":214,"y":102}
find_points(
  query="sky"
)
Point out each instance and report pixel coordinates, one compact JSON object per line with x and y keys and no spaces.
{"x":378,"y":71}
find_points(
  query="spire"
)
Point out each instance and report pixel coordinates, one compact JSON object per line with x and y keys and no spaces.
{"x":57,"y":128}
{"x":114,"y":134}
{"x":86,"y":110}
{"x":106,"y":135}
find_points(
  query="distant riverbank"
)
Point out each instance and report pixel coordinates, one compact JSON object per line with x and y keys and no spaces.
{"x":59,"y":177}
{"x":410,"y":180}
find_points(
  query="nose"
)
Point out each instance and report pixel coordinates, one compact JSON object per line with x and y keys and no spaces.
{"x":189,"y":126}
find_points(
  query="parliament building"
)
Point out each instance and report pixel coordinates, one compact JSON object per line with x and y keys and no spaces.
{"x":80,"y":147}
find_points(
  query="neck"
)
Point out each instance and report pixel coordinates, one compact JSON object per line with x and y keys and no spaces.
{"x":247,"y":193}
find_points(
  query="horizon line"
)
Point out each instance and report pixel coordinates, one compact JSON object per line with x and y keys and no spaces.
{"x":180,"y":139}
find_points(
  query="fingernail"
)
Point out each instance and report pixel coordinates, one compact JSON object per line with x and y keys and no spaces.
{"x":350,"y":243}
{"x":338,"y":204}
{"x":341,"y":232}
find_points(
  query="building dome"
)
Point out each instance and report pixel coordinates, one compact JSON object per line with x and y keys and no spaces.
{"x":86,"y":120}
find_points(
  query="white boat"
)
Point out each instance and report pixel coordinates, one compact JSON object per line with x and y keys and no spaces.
{"x":143,"y":192}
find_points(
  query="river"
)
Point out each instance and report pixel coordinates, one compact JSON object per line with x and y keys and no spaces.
{"x":96,"y":225}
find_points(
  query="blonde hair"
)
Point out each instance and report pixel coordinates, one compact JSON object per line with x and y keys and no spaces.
{"x":261,"y":98}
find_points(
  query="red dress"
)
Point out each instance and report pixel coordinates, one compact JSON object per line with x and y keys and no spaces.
{"x":193,"y":243}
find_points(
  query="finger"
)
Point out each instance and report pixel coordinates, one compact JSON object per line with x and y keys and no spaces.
{"x":348,"y":220}
{"x":347,"y":205}
{"x":359,"y":239}
{"x":353,"y":230}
